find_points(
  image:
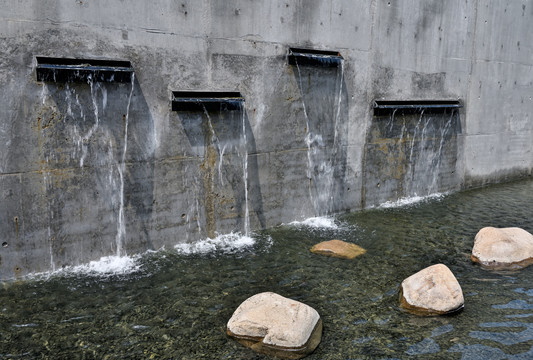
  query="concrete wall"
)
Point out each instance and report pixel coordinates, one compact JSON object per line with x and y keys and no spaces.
{"x":61,"y":184}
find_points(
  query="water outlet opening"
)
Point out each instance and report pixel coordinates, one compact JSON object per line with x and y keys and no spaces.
{"x":312,"y":57}
{"x":207,"y":100}
{"x":387,"y":107}
{"x":53,"y":69}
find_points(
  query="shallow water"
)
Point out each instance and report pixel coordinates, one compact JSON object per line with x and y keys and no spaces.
{"x":175,"y":303}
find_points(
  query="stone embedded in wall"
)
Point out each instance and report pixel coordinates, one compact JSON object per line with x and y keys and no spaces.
{"x":271,"y":324}
{"x":338,"y":248}
{"x":503,"y":249}
{"x":432,"y":291}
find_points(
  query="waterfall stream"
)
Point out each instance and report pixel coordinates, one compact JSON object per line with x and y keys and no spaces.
{"x":121,"y":167}
{"x":429,"y":152}
{"x":225,"y":156}
{"x":244,"y":154}
{"x":410,"y":153}
{"x":321,"y":128}
{"x":96,"y":142}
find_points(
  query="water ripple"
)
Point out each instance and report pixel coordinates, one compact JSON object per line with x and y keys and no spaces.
{"x":478,"y":351}
{"x":442,"y":330}
{"x":505,"y":337}
{"x":524,"y":291}
{"x":515,"y":305}
{"x":426,"y":346}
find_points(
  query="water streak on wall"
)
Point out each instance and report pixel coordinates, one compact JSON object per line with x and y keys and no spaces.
{"x":55,"y":212}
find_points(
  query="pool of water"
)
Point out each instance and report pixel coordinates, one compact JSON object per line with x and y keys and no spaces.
{"x":175,"y":303}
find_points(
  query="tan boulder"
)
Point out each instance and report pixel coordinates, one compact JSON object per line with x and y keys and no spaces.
{"x":338,"y":248}
{"x":432,"y":291}
{"x":271,"y":324}
{"x":503,"y":249}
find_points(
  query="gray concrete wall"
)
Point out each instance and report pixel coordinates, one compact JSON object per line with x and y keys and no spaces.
{"x":61,"y":184}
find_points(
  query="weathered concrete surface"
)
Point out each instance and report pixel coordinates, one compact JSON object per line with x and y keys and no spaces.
{"x":63,"y":183}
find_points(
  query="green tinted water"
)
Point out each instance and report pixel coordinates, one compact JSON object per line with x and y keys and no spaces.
{"x":176,"y":305}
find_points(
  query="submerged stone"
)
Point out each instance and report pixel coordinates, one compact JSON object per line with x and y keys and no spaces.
{"x":432,"y":291}
{"x":271,"y":324}
{"x":503,"y":249}
{"x":338,"y":248}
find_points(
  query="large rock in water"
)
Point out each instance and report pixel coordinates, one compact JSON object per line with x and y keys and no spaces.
{"x":432,"y":291}
{"x":338,"y":248}
{"x":271,"y":324}
{"x":503,"y":249}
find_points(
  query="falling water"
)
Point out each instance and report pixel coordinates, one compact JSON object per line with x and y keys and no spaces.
{"x":420,"y":163}
{"x":438,"y":154}
{"x":221,"y":146}
{"x":340,"y":76}
{"x":211,"y":147}
{"x":410,"y":152}
{"x":198,"y":223}
{"x":192,"y":215}
{"x":401,"y":140}
{"x":82,"y":139}
{"x":245,"y":174}
{"x":82,"y":133}
{"x":391,"y":120}
{"x":46,"y":187}
{"x":44,"y":94}
{"x":47,"y":184}
{"x":121,"y":167}
{"x":425,"y":161}
{"x":336,"y":144}
{"x":117,"y":184}
{"x":321,"y":159}
{"x":307,"y":136}
{"x":414,"y":136}
{"x":220,"y":177}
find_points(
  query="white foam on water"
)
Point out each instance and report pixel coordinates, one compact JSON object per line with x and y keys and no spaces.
{"x":104,"y":267}
{"x":226,"y":243}
{"x":108,"y":265}
{"x":24,"y":325}
{"x":322,"y":222}
{"x":140,"y":327}
{"x":410,"y":200}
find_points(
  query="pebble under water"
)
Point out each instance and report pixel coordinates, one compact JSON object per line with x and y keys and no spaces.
{"x":174,"y":304}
